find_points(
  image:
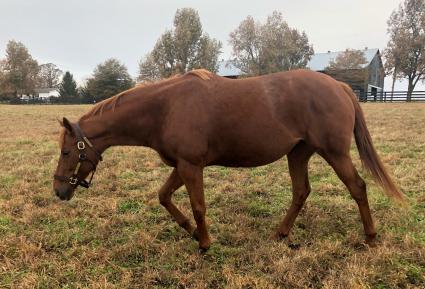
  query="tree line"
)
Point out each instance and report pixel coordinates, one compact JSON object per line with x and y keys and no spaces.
{"x":21,"y":75}
{"x":257,"y":48}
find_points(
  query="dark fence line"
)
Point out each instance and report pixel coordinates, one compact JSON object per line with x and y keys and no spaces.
{"x":389,"y":96}
{"x":51,"y":100}
{"x":382,"y":96}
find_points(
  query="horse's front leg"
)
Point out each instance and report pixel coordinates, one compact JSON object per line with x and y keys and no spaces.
{"x":172,"y":184}
{"x":192,"y":177}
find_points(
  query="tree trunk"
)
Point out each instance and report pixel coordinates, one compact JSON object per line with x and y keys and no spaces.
{"x":410,"y":89}
{"x":392,"y":87}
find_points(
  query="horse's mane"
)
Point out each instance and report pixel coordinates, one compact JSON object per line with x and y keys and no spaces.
{"x":201,"y":73}
{"x":113,"y":101}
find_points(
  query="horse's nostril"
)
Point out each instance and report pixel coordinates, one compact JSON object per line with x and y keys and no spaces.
{"x":57,"y":193}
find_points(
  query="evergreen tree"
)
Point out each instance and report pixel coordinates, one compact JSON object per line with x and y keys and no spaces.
{"x":68,"y":88}
{"x":109,"y":78}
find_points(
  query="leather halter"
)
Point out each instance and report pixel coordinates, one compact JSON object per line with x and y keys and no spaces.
{"x":81,"y":143}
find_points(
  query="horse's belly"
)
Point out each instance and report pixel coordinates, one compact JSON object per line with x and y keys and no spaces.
{"x":252,"y":153}
{"x":232,"y":161}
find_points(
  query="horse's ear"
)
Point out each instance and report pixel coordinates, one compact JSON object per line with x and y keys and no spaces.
{"x":67,"y":125}
{"x":60,"y":122}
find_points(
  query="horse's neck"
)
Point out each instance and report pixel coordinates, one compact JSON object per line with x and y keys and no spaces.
{"x":125,"y":126}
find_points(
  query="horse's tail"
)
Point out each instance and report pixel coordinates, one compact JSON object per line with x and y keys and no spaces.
{"x":367,"y":152}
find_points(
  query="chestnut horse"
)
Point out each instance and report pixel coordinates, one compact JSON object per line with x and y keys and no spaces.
{"x":200,"y":119}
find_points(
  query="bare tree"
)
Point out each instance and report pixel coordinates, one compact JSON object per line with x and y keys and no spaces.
{"x":405,"y":52}
{"x":270,"y":47}
{"x":391,"y":65}
{"x":184,"y":48}
{"x":349,"y":59}
{"x":49,"y":75}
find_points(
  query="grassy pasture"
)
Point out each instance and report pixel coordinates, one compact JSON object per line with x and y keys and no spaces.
{"x":116,"y":235}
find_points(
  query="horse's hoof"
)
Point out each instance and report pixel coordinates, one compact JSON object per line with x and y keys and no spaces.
{"x":280,"y":236}
{"x":195,"y":235}
{"x":371,"y":241}
{"x":294,"y":246}
{"x":202,"y":251}
{"x":360,"y":246}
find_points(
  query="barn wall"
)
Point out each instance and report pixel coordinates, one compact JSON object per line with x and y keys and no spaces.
{"x":356,"y":78}
{"x":376,"y":72}
{"x":360,"y":79}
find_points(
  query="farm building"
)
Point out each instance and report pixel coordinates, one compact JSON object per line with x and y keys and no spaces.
{"x":227,"y":69}
{"x":367,"y":80}
{"x":41,"y":94}
{"x":46,"y":93}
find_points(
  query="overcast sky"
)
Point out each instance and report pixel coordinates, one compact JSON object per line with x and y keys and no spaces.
{"x":77,"y":35}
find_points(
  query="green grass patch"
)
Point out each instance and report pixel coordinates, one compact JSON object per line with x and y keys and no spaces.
{"x":129,"y":207}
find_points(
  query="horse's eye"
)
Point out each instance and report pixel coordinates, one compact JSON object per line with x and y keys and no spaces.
{"x":65,"y":152}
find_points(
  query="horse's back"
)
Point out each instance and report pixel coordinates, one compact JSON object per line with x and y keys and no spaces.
{"x":298,"y":104}
{"x":255,"y":121}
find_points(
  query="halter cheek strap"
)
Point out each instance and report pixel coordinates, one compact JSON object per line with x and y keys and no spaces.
{"x":82,"y":141}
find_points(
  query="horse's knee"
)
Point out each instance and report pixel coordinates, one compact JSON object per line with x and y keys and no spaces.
{"x":164,"y":199}
{"x":358,"y":191}
{"x":361,"y":184}
{"x":300,"y":199}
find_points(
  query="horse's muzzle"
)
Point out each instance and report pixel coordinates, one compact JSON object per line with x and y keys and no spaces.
{"x":64,"y":195}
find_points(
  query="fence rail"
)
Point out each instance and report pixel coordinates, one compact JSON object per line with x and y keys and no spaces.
{"x":389,"y":96}
{"x":382,"y":96}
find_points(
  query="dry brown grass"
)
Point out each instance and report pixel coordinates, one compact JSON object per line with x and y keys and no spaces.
{"x":116,"y":235}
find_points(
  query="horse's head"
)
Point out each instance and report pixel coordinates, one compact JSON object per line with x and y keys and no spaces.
{"x":77,"y":160}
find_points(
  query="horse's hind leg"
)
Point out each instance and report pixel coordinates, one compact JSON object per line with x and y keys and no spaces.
{"x":171,"y":185}
{"x":298,"y":169}
{"x":192,"y":177}
{"x":344,"y":168}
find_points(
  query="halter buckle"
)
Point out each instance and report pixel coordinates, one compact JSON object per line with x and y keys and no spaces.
{"x":81,"y":145}
{"x":73,"y":181}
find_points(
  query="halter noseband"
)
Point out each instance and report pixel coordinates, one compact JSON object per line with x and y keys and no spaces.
{"x":82,"y":140}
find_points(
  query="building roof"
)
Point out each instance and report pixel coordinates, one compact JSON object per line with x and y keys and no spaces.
{"x":320,"y":61}
{"x":227,"y":68}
